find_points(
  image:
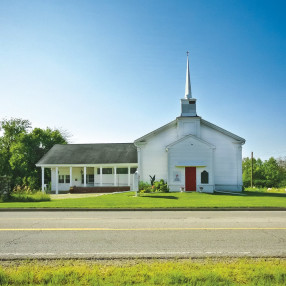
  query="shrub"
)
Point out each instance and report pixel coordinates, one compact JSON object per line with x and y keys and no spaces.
{"x":22,"y":190}
{"x":161,"y":187}
{"x":158,"y":187}
{"x":144,"y":187}
{"x":29,"y":197}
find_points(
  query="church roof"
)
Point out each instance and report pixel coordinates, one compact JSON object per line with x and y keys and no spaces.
{"x":101,"y":153}
{"x":225,"y":132}
{"x":207,"y":123}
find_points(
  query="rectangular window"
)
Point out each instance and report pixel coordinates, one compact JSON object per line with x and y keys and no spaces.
{"x":90,"y":179}
{"x":98,"y":171}
{"x":67,"y":179}
{"x":61,"y":179}
{"x":122,"y":171}
{"x":133,"y":170}
{"x":106,"y":171}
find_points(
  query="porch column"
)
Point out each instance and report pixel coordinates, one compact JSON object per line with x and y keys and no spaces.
{"x":129,"y":176}
{"x":94,"y":173}
{"x":100,"y":176}
{"x":57,"y":180}
{"x":70,"y":176}
{"x":115,"y":176}
{"x":43,"y":179}
{"x":84,"y":176}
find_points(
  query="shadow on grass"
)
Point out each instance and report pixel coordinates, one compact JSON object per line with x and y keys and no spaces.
{"x":253,"y":194}
{"x":160,"y":197}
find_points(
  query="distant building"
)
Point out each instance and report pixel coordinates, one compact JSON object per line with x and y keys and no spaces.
{"x":190,"y":153}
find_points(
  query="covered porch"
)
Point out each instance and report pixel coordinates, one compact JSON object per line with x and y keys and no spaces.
{"x":65,"y":177}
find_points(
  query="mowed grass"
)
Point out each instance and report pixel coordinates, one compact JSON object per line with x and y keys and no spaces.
{"x":162,"y":200}
{"x":140,"y":272}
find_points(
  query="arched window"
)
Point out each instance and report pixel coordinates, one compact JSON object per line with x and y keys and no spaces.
{"x":204,"y":177}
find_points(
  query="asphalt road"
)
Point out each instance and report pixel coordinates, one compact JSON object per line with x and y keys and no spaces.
{"x":142,"y":234}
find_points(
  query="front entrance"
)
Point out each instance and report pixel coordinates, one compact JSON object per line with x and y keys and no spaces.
{"x":190,"y":178}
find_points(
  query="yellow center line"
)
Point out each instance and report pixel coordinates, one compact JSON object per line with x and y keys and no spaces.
{"x":142,"y":229}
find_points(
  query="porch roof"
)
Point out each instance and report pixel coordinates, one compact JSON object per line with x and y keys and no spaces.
{"x":101,"y":153}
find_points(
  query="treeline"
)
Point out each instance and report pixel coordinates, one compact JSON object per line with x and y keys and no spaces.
{"x":21,"y":147}
{"x":267,"y":174}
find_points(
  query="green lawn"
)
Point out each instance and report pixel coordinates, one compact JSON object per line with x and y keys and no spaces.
{"x":246,"y":271}
{"x":162,"y":200}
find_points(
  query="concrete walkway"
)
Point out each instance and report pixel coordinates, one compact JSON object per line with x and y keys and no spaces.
{"x":74,"y":196}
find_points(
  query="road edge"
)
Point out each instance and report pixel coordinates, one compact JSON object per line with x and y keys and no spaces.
{"x":143,"y":209}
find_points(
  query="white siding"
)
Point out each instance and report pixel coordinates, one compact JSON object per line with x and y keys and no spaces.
{"x":154,"y":156}
{"x":195,"y":152}
{"x":224,"y":163}
{"x":227,"y":159}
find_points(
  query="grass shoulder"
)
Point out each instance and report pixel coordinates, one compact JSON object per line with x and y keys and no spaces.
{"x":219,"y":271}
{"x":162,"y":200}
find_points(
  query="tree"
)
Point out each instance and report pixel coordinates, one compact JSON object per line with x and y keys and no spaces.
{"x":12,"y":129}
{"x":28,"y":150}
{"x":21,"y":149}
{"x":270,"y":173}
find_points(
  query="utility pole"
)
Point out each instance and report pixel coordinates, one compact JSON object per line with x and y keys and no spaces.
{"x":251,"y":170}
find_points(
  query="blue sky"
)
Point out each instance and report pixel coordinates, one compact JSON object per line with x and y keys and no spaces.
{"x":112,"y":71}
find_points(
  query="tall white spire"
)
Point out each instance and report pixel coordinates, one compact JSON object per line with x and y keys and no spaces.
{"x":188,"y":89}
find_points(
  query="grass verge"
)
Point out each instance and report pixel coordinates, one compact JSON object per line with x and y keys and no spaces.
{"x":22,"y":197}
{"x":246,"y":271}
{"x":162,"y":200}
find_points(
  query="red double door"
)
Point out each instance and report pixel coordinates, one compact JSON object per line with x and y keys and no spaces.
{"x":190,"y":178}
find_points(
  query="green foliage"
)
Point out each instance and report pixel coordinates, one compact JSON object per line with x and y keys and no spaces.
{"x":152,"y":180}
{"x":28,"y":196}
{"x":267,"y":190}
{"x":144,"y":187}
{"x":270,"y":173}
{"x":242,"y":271}
{"x":22,"y":147}
{"x":160,"y":187}
{"x":5,"y":187}
{"x":157,"y":187}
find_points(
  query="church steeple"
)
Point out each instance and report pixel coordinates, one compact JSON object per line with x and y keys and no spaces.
{"x":188,"y":89}
{"x":188,"y":104}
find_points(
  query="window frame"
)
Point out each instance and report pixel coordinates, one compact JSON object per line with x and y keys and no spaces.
{"x":61,"y":179}
{"x":204,"y":177}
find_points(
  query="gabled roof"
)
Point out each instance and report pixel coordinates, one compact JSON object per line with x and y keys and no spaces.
{"x":102,"y":153}
{"x":193,"y":137}
{"x":156,"y":131}
{"x":225,"y":132}
{"x":173,"y":123}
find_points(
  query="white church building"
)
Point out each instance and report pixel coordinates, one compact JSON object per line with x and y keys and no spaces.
{"x":190,"y":153}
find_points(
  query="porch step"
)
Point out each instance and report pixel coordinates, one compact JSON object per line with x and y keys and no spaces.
{"x":109,"y":189}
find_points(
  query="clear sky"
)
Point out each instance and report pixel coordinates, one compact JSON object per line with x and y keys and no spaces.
{"x":112,"y":71}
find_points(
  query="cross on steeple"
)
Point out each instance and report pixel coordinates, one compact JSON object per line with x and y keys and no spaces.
{"x":188,"y":53}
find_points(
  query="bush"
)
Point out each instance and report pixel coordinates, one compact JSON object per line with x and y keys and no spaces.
{"x":144,"y":187}
{"x":22,"y":190}
{"x":28,"y":197}
{"x":26,"y":194}
{"x":158,"y":187}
